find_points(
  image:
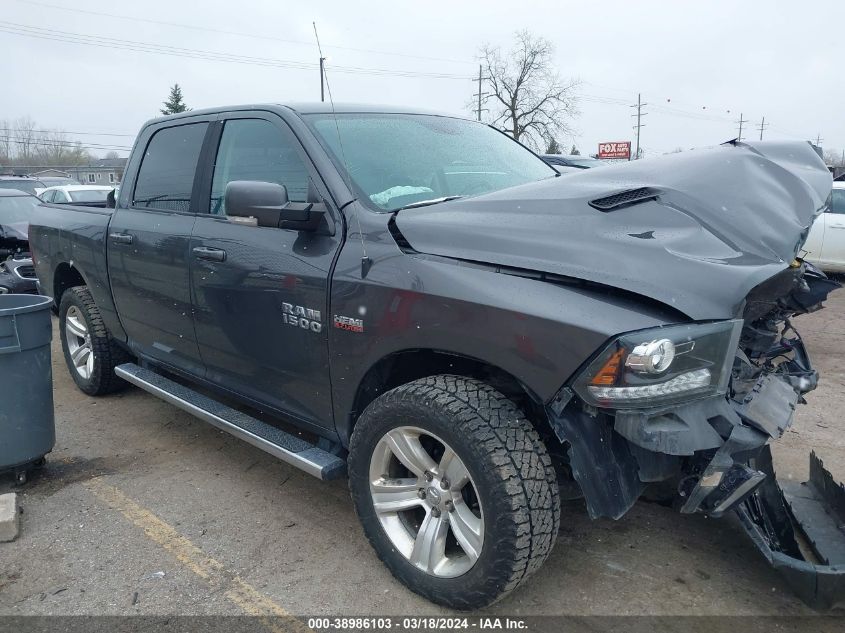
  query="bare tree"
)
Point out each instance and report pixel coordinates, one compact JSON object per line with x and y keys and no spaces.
{"x":5,"y":141}
{"x":24,"y":138}
{"x":22,"y":144}
{"x":834,"y":157}
{"x":529,"y":99}
{"x":112,"y":154}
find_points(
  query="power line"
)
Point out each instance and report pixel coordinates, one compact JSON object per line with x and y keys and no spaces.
{"x":161,"y":49}
{"x":9,"y":129}
{"x":239,"y":33}
{"x":22,"y":140}
{"x":819,"y":140}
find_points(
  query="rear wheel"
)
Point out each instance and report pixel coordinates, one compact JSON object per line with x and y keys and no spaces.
{"x":454,"y":489}
{"x":90,"y":352}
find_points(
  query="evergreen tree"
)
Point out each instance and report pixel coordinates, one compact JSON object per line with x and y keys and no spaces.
{"x":174,"y":103}
{"x":574,"y":151}
{"x":553,"y":147}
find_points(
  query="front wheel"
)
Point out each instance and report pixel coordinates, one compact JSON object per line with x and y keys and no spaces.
{"x":454,"y":488}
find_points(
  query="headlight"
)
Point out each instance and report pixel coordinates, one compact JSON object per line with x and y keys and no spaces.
{"x":662,"y":365}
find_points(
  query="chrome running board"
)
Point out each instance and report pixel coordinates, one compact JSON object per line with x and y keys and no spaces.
{"x":289,"y":448}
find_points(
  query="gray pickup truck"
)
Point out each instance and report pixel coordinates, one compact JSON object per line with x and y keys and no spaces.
{"x":422,"y":304}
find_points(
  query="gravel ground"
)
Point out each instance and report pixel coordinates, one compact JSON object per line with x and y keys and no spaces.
{"x":143,"y":509}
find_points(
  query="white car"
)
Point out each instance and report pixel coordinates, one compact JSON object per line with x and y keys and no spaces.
{"x":825,"y":244}
{"x":75,"y":194}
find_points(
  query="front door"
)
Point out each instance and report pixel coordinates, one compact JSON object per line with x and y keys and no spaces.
{"x":148,"y":249}
{"x":260,"y":294}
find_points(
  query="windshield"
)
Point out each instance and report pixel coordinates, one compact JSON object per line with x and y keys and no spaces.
{"x":89,"y":195}
{"x":57,"y":181}
{"x":16,"y":209}
{"x":399,"y":159}
{"x":586,"y":163}
{"x":21,"y":185}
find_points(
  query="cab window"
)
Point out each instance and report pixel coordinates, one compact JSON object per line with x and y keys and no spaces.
{"x":166,"y":176}
{"x":255,"y":149}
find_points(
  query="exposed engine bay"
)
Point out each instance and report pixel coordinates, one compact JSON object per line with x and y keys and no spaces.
{"x":17,"y":273}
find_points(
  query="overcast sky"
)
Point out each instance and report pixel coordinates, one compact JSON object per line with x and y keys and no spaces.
{"x":698,"y":64}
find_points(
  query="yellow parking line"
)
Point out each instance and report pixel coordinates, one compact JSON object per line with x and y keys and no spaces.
{"x":246,"y":597}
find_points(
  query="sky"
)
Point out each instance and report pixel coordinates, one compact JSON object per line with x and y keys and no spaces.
{"x":698,"y":65}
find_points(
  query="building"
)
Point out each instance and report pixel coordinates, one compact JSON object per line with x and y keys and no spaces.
{"x":101,"y":171}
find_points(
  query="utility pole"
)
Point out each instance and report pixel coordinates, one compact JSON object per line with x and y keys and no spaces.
{"x":741,"y":122}
{"x":322,"y":79}
{"x":763,"y":126}
{"x":819,"y":140}
{"x":640,"y":114}
{"x":480,"y":93}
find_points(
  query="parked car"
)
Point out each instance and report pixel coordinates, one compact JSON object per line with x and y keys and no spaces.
{"x":17,"y":274}
{"x":458,"y":329}
{"x":573,"y":161}
{"x":825,"y":245}
{"x":54,"y":181}
{"x":76,"y":194}
{"x":22,"y":183}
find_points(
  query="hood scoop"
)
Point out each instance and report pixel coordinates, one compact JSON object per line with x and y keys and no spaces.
{"x":624,"y":199}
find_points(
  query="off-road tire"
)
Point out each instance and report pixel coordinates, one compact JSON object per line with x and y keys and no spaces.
{"x":510,"y":468}
{"x":107,"y":353}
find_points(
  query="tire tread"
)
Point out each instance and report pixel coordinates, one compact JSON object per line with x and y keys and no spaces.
{"x":519,"y":461}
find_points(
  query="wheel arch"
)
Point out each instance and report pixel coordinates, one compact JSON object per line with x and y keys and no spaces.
{"x":400,"y":367}
{"x":66,"y":276}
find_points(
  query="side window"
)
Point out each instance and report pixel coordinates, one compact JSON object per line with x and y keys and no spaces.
{"x":48,"y":196}
{"x":254,"y":149}
{"x":837,"y":201}
{"x":166,"y":176}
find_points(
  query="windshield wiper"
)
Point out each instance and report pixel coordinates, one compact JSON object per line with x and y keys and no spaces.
{"x":425,"y":203}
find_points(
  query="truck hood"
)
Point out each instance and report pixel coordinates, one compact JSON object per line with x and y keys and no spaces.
{"x":709,"y":224}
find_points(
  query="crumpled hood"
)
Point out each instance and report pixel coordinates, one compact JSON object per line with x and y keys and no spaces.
{"x":724,"y":220}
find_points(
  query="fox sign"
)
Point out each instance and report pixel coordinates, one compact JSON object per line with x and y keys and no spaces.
{"x":620,"y":149}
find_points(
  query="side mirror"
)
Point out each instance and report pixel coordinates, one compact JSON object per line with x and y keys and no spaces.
{"x":268,"y":203}
{"x":110,"y":202}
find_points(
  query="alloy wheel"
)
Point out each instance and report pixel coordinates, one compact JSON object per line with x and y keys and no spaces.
{"x":426,"y":502}
{"x":79,"y":342}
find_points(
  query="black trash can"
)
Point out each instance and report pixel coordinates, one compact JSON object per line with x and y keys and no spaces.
{"x":27,"y":426}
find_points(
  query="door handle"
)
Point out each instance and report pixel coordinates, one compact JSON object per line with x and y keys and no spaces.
{"x":120,"y":238}
{"x":211,"y":254}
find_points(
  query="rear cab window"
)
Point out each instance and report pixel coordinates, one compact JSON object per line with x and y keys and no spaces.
{"x":168,"y":168}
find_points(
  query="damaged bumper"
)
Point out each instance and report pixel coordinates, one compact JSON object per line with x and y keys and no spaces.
{"x":714,"y":450}
{"x":800,"y":529}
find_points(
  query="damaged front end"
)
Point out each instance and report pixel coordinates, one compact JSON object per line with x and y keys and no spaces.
{"x":695,"y":405}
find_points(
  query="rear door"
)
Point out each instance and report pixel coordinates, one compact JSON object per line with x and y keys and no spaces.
{"x":260,"y":293}
{"x":148,"y":247}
